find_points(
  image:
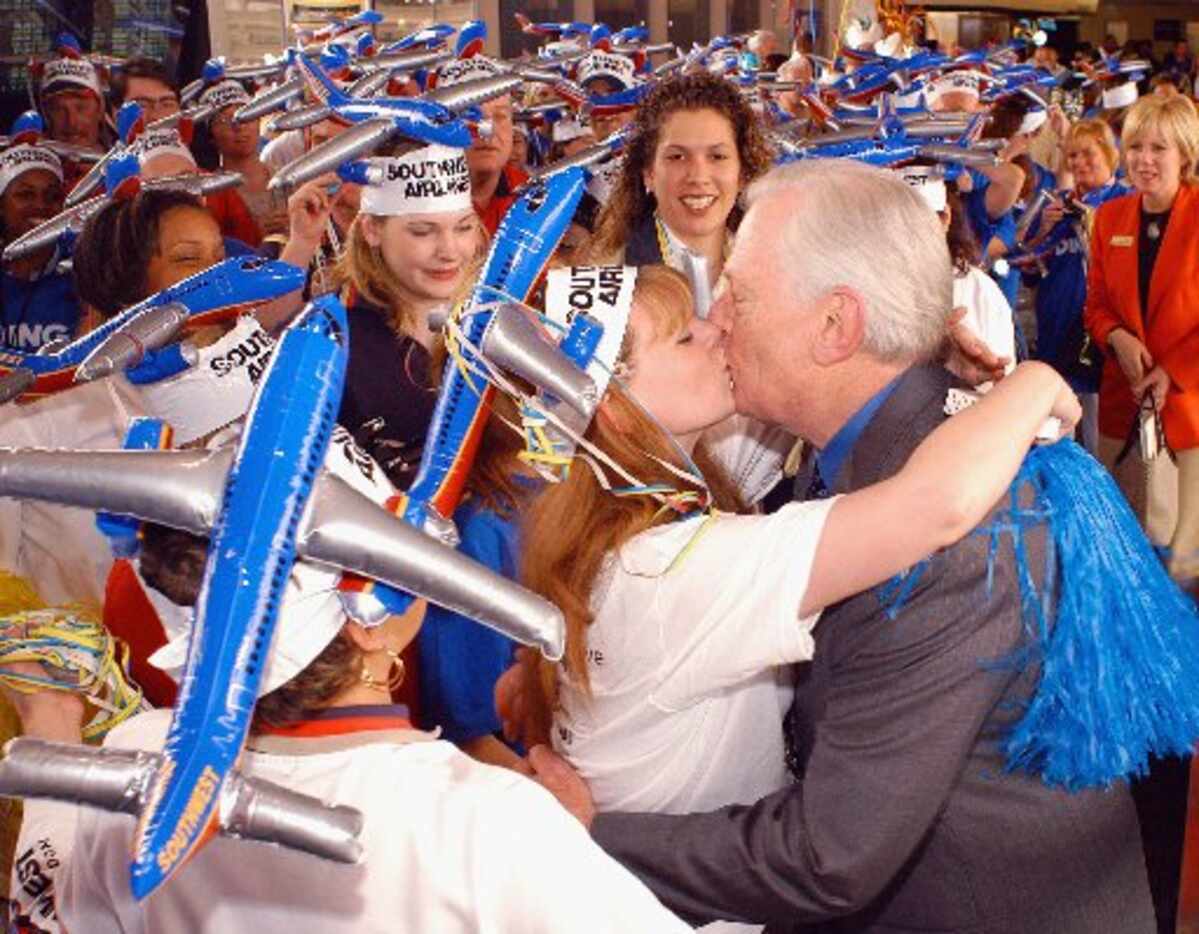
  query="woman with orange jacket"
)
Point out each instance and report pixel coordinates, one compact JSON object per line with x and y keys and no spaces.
{"x":1143,"y":310}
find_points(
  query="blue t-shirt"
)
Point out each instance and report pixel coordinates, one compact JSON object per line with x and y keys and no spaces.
{"x":987,"y":228}
{"x":37,"y":311}
{"x":983,"y":225}
{"x":461,"y":660}
{"x":1061,"y":294}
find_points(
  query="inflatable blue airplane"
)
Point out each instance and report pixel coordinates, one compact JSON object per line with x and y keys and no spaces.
{"x":263,"y":505}
{"x":374,"y":122}
{"x":139,"y":339}
{"x":121,"y":179}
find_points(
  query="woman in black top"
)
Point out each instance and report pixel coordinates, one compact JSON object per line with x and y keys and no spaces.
{"x":413,"y":250}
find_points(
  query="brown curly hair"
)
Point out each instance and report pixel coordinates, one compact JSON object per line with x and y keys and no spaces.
{"x":630,"y":203}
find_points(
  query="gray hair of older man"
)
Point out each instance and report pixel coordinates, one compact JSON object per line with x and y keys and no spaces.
{"x":864,"y":228}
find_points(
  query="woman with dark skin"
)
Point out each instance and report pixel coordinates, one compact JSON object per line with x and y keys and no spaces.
{"x":37,"y":303}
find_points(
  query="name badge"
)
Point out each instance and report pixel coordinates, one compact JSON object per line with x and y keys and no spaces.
{"x":1122,"y":241}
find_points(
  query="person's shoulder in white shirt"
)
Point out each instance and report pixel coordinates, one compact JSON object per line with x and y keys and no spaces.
{"x":450,"y":845}
{"x":58,"y":548}
{"x":988,"y":312}
{"x":692,"y":621}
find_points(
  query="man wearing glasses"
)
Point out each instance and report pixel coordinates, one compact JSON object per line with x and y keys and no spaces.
{"x":146,"y":81}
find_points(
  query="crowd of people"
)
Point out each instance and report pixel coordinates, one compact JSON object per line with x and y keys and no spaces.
{"x":782,"y":701}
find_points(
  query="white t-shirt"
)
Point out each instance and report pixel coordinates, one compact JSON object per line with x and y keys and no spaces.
{"x":58,"y":548}
{"x":451,"y":845}
{"x":988,"y":313}
{"x":692,"y":621}
{"x":282,"y":149}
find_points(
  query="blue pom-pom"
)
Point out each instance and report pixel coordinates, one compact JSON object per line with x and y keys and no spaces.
{"x":1116,"y":639}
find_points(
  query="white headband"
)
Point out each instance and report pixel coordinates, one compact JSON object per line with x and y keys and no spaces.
{"x":17,"y":160}
{"x":218,"y":389}
{"x":856,"y":37}
{"x":567,"y":129}
{"x":312,"y":613}
{"x":964,"y":81}
{"x":154,"y":143}
{"x":1033,"y":121}
{"x":606,"y":65}
{"x":930,"y":188}
{"x":464,"y":69}
{"x":429,"y":180}
{"x":1122,"y":95}
{"x":76,"y":71}
{"x":225,"y":94}
{"x":603,"y":292}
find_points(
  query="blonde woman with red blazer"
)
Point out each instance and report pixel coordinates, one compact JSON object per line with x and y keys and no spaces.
{"x":1143,"y":311}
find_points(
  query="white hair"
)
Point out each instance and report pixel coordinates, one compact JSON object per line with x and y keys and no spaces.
{"x":864,"y":228}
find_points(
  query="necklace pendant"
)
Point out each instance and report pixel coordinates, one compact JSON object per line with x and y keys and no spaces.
{"x":1153,"y":231}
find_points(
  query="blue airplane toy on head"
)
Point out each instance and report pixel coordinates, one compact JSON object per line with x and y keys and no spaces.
{"x":375,"y":121}
{"x":140,"y":341}
{"x":263,"y":505}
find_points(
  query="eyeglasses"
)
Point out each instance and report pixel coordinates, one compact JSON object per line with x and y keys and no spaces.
{"x":155,"y":104}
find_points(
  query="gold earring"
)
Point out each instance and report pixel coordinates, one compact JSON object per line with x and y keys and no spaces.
{"x":395,"y":675}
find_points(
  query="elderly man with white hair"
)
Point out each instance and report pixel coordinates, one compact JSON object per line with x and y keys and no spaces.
{"x":902,"y":815}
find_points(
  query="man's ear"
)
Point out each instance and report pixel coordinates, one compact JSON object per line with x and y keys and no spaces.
{"x":841,"y":327}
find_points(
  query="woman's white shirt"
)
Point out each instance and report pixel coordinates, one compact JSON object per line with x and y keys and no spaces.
{"x":692,"y":623}
{"x":58,"y":548}
{"x":451,"y":845}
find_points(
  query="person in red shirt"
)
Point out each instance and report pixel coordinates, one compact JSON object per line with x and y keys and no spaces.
{"x":493,"y":181}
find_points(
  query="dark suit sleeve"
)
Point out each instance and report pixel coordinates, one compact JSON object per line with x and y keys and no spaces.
{"x":906,"y":701}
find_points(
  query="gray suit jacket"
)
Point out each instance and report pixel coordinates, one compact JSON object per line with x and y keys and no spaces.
{"x":903,"y":818}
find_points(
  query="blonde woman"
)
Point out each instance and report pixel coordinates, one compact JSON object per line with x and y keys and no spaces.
{"x":1089,"y":162}
{"x":1143,"y":310}
{"x":413,"y":247}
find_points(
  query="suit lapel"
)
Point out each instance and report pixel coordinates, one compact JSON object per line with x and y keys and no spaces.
{"x":1125,"y":274}
{"x":1170,"y":257}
